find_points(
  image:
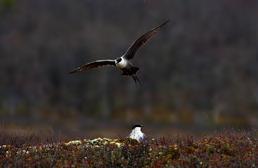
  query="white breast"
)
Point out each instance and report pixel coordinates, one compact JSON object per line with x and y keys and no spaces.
{"x":137,"y":134}
{"x":122,"y":64}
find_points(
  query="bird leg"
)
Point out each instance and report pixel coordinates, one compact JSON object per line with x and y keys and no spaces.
{"x":136,"y":79}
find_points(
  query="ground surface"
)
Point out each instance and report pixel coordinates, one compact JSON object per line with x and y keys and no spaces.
{"x":228,"y":149}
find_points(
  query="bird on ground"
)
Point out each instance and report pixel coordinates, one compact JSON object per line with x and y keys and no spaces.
{"x":137,"y":134}
{"x":124,"y":63}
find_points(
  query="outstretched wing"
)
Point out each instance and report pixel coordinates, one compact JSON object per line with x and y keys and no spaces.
{"x":92,"y":65}
{"x":142,"y":40}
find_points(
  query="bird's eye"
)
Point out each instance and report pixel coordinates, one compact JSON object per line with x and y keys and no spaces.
{"x":118,"y":59}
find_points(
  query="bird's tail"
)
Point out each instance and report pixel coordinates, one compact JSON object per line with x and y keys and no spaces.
{"x":136,"y":79}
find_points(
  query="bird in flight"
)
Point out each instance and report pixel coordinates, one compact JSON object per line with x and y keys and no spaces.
{"x":124,"y":63}
{"x":137,"y":133}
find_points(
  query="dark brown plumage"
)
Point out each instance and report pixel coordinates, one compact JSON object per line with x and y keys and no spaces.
{"x":142,"y":40}
{"x":94,"y":64}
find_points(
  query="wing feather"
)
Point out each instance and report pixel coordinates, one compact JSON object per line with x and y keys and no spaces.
{"x":92,"y":65}
{"x":142,"y":40}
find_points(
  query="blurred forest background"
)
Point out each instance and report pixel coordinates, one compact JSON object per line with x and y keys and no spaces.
{"x":200,"y":71}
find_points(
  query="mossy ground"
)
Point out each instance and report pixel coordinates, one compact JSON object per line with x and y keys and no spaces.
{"x":219,"y":150}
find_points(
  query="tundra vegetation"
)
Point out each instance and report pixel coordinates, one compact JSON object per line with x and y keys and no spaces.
{"x":227,"y":149}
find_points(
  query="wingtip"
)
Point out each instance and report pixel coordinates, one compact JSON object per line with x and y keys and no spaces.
{"x":164,"y":23}
{"x":73,"y":71}
{"x":168,"y":20}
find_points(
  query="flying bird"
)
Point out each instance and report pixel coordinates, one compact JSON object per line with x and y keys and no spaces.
{"x":124,"y":63}
{"x":136,"y":133}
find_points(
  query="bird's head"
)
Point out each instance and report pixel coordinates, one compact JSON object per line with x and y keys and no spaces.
{"x":137,"y":126}
{"x":118,"y":60}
